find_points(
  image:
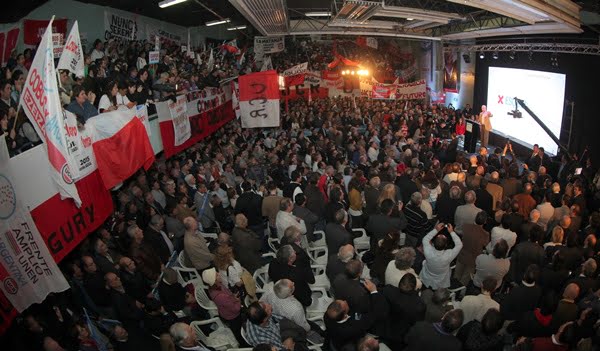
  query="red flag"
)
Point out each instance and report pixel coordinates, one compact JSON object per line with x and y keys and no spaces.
{"x":295,"y":75}
{"x":259,"y":99}
{"x":121,"y":146}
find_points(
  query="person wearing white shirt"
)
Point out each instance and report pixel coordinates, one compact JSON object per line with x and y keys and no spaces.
{"x":401,"y":265}
{"x":373,"y":152}
{"x":283,"y":302}
{"x":285,"y":218}
{"x":108,"y":101}
{"x":435,"y":273}
{"x":546,"y":211}
{"x":466,"y":213}
{"x":475,"y":306}
{"x":502,"y":232}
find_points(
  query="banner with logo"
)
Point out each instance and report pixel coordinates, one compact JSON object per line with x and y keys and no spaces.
{"x":207,"y":110}
{"x":41,"y":104}
{"x":142,"y":115}
{"x":153,"y":57}
{"x":79,"y":146}
{"x":153,"y":32}
{"x":181,"y":124}
{"x":412,"y":91}
{"x":27,"y":270}
{"x":259,"y":100}
{"x":312,"y":86}
{"x":72,"y":55}
{"x":383,"y":91}
{"x":33,"y":30}
{"x":268,"y":45}
{"x":295,"y":75}
{"x":339,"y":85}
{"x":8,"y":42}
{"x":58,"y":44}
{"x":120,"y":26}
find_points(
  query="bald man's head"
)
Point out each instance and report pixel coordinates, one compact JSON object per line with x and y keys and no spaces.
{"x":571,"y":291}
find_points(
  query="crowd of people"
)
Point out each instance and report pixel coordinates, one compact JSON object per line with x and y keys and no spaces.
{"x":460,"y":251}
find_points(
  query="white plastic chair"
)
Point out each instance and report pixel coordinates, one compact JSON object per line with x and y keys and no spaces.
{"x":363,"y":242}
{"x":221,"y":338}
{"x":321,"y":279}
{"x":318,"y":255}
{"x":181,"y":259}
{"x":274,"y":243}
{"x":186,"y":275}
{"x":319,"y":242}
{"x":204,"y":301}
{"x":320,"y":301}
{"x":261,"y":278}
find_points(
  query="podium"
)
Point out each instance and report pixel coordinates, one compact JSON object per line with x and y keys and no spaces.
{"x":472,"y":131}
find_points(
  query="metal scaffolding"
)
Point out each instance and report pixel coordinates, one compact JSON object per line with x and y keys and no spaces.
{"x":561,"y":48}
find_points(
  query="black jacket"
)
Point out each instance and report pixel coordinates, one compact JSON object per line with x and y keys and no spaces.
{"x":519,"y":300}
{"x":336,"y":236}
{"x":246,"y":248}
{"x":424,"y":336}
{"x":172,"y":296}
{"x":380,"y":225}
{"x":406,"y":309}
{"x":250,"y":204}
{"x":299,"y":273}
{"x":353,"y":292}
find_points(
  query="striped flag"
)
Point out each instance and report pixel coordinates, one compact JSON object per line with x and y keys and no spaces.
{"x":259,"y":99}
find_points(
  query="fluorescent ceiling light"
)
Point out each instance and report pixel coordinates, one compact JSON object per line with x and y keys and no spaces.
{"x":237,"y":28}
{"x":221,"y":21}
{"x":318,"y":14}
{"x":410,"y":19}
{"x":167,"y":3}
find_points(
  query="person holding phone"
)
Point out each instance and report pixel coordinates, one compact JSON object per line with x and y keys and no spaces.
{"x":435,"y":273}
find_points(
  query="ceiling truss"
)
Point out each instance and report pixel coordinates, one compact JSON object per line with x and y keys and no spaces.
{"x":561,"y":48}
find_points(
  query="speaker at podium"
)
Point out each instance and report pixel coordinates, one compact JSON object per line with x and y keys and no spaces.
{"x":472,"y":130}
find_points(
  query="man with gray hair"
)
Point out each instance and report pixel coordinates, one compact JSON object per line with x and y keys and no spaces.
{"x":336,"y":234}
{"x":158,"y":239}
{"x":401,"y":265}
{"x":285,"y":218}
{"x":286,"y":266}
{"x":283,"y":302}
{"x":417,"y":222}
{"x":337,"y":263}
{"x":246,"y":244}
{"x":184,"y":337}
{"x":493,"y":187}
{"x":466,"y":213}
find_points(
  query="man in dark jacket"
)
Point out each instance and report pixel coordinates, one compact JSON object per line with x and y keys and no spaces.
{"x":381,"y":224}
{"x":315,"y":200}
{"x":344,"y":329}
{"x":285,"y":266}
{"x":246,"y":245}
{"x":336,"y":234}
{"x":310,"y":219}
{"x":424,"y":336}
{"x":348,"y":287}
{"x":250,"y":204}
{"x":527,"y":253}
{"x":522,"y":298}
{"x":406,"y":308}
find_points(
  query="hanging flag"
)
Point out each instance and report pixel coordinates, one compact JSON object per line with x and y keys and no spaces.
{"x":72,"y":56}
{"x":267,"y":64}
{"x":41,"y":104}
{"x":27,"y":270}
{"x":259,"y":100}
{"x":211,"y":61}
{"x":235,"y":98}
{"x":240,"y":61}
{"x":372,"y":42}
{"x":295,"y":75}
{"x":231,"y":47}
{"x":181,"y":122}
{"x":114,"y":132}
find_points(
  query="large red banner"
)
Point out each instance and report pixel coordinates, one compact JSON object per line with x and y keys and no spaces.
{"x":8,"y":42}
{"x":34,"y":29}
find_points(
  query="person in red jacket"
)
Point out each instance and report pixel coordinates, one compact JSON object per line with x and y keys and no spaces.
{"x":461,"y":127}
{"x":323,"y":183}
{"x":561,"y":341}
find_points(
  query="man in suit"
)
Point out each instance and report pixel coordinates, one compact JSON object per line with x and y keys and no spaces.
{"x":524,"y":297}
{"x":205,"y":213}
{"x":495,"y":189}
{"x":286,"y":267}
{"x":128,"y":309}
{"x":158,"y":239}
{"x":466,"y":213}
{"x":348,"y":287}
{"x":372,"y":191}
{"x":294,"y":187}
{"x":250,"y":204}
{"x":270,"y":205}
{"x":105,"y":260}
{"x":406,"y":308}
{"x":424,"y":336}
{"x":196,"y":250}
{"x":184,"y":338}
{"x":315,"y":200}
{"x":336,"y":234}
{"x":407,"y":184}
{"x":486,"y":125}
{"x":310,"y":219}
{"x":336,"y":264}
{"x":344,"y":328}
{"x":526,"y":253}
{"x":485,"y":201}
{"x":474,"y":239}
{"x":511,"y":185}
{"x":134,"y":282}
{"x":381,"y":224}
{"x":246,"y":245}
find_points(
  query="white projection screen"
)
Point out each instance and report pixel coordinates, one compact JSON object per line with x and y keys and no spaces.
{"x":544,"y":94}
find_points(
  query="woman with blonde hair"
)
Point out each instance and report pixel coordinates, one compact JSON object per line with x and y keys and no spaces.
{"x":229,"y":269}
{"x":388,"y":192}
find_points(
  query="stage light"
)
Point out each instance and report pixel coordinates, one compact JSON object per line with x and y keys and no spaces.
{"x":352,"y":72}
{"x":530,"y":55}
{"x":482,"y":55}
{"x":317,"y":14}
{"x":221,"y":21}
{"x":237,"y":28}
{"x":554,"y":59}
{"x":409,"y":19}
{"x":512,"y":55}
{"x":167,"y":3}
{"x":495,"y":55}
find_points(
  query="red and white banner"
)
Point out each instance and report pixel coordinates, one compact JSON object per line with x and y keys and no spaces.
{"x":27,"y":270}
{"x":79,"y":147}
{"x":295,"y":75}
{"x":207,"y":110}
{"x":33,"y":30}
{"x":231,"y":47}
{"x":383,"y":91}
{"x":8,"y":42}
{"x":41,"y":104}
{"x":313,"y":86}
{"x":235,"y":98}
{"x":181,"y":124}
{"x":72,"y":55}
{"x":142,"y":115}
{"x":412,"y":91}
{"x":121,"y":145}
{"x":259,"y":99}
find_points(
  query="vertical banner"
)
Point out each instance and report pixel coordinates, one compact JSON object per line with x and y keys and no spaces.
{"x":72,"y":56}
{"x":79,"y":145}
{"x":181,"y":123}
{"x":268,"y":45}
{"x":8,"y":42}
{"x":27,"y":270}
{"x":142,"y":115}
{"x":259,"y":99}
{"x":41,"y":104}
{"x":121,"y":27}
{"x":450,"y":72}
{"x":33,"y":30}
{"x":58,"y":43}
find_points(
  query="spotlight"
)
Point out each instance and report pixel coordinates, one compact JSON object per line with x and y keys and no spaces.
{"x":495,"y":55}
{"x":467,"y":58}
{"x":554,"y":59}
{"x":481,"y":55}
{"x":512,"y":55}
{"x":530,"y":55}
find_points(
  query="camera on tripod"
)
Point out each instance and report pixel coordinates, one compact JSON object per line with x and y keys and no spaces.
{"x":515,"y":114}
